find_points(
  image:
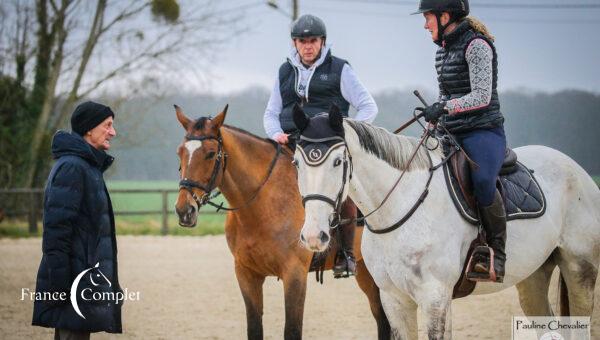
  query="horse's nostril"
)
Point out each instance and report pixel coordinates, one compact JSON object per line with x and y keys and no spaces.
{"x":323,"y":237}
{"x":302,"y":238}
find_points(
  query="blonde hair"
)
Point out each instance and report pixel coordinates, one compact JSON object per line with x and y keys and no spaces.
{"x":479,"y":27}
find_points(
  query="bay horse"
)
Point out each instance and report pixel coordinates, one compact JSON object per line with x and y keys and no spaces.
{"x":259,"y":182}
{"x":418,"y":264}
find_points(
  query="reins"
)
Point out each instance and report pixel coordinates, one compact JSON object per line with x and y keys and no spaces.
{"x":427,"y":132}
{"x":336,"y":220}
{"x":208,"y":196}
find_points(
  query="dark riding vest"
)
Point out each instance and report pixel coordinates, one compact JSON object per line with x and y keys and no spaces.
{"x":454,"y":81}
{"x":324,"y":89}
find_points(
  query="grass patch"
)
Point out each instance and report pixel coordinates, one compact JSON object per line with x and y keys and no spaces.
{"x":596,"y":179}
{"x":16,"y":229}
{"x":131,"y":225}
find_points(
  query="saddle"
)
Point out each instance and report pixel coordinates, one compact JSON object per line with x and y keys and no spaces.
{"x":523,"y":198}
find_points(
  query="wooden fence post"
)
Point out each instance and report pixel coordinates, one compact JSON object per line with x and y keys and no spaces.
{"x":165,"y":212}
{"x":33,"y":207}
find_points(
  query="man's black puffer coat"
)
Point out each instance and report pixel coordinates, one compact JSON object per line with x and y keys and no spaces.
{"x":79,"y":233}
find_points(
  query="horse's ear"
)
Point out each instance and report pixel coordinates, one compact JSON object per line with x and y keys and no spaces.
{"x":217,"y":122}
{"x":335,"y":118}
{"x":185,"y":121}
{"x":300,"y":118}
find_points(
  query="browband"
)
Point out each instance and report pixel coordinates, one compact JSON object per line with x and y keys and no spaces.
{"x":321,"y":140}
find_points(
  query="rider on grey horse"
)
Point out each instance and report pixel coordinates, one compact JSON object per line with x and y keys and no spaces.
{"x":315,"y":79}
{"x":469,"y":108}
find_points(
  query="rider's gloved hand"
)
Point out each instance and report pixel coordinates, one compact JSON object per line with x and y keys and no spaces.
{"x":281,"y":138}
{"x":435,"y":111}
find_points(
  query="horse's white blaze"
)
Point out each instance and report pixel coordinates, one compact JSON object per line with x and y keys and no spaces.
{"x":422,"y":260}
{"x":192,"y":146}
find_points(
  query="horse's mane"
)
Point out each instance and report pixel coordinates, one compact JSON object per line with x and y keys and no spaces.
{"x":395,"y":150}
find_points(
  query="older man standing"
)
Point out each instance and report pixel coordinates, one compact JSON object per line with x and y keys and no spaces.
{"x":79,"y":231}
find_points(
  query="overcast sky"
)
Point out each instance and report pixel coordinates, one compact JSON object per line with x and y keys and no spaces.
{"x":539,"y":49}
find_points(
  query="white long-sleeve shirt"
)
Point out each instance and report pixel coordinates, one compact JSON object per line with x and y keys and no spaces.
{"x":353,"y":91}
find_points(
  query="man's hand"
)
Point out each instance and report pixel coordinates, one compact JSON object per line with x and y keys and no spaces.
{"x":282,"y":138}
{"x":434,"y":112}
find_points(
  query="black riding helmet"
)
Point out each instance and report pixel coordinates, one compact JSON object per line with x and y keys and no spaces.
{"x":458,"y":9}
{"x":308,"y":26}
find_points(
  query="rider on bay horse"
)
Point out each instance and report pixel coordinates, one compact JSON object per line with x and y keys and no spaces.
{"x":313,"y":78}
{"x":469,"y":108}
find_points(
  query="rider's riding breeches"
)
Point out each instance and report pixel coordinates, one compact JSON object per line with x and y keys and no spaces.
{"x":486,"y":148}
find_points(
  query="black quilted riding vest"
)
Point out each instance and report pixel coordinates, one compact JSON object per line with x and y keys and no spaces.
{"x":324,"y":89}
{"x":454,"y":81}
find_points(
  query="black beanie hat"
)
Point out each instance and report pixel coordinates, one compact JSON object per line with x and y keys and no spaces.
{"x":88,"y":115}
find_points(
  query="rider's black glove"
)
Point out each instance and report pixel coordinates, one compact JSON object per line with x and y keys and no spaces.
{"x":434,"y":112}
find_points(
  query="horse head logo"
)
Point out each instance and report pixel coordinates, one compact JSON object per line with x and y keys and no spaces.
{"x":95,"y":277}
{"x":552,"y":336}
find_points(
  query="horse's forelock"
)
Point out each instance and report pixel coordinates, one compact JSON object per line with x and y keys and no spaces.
{"x":200,"y":123}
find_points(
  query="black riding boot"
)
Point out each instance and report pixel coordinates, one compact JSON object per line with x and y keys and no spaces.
{"x":493,"y":218}
{"x":345,"y":263}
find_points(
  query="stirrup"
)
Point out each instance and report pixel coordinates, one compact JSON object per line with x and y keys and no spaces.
{"x":487,"y":253}
{"x":346,"y":271}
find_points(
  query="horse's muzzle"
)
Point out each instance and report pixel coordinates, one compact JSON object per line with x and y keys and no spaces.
{"x":187,"y":216}
{"x":316,"y":242}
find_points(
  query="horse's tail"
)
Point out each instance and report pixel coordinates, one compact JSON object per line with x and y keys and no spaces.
{"x":563,"y":296}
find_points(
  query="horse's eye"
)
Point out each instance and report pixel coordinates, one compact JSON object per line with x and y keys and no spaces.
{"x":337,"y":162}
{"x":295,"y":163}
{"x":210,"y":155}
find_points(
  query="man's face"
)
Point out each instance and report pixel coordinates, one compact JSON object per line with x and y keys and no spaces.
{"x":309,"y":48}
{"x":100,"y":136}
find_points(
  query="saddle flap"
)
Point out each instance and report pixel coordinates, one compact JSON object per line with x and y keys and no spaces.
{"x":462,"y":173}
{"x":510,"y":162}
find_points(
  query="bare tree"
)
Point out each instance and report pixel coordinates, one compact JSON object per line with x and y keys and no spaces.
{"x":82,"y":47}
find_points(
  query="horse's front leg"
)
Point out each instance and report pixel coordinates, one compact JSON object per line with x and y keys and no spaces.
{"x":436,"y":304}
{"x":401,"y":312}
{"x":368,"y":286}
{"x":251,"y":285}
{"x":294,"y":289}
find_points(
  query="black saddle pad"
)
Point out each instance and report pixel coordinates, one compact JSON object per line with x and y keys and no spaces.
{"x":523,"y":197}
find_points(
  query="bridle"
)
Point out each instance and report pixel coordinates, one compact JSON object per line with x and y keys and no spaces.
{"x":347,"y":175}
{"x":336,"y":220}
{"x":220,"y":162}
{"x":220,"y":166}
{"x":428,"y":132}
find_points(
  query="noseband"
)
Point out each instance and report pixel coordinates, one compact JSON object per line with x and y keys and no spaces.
{"x":314,"y":159}
{"x":220,"y":162}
